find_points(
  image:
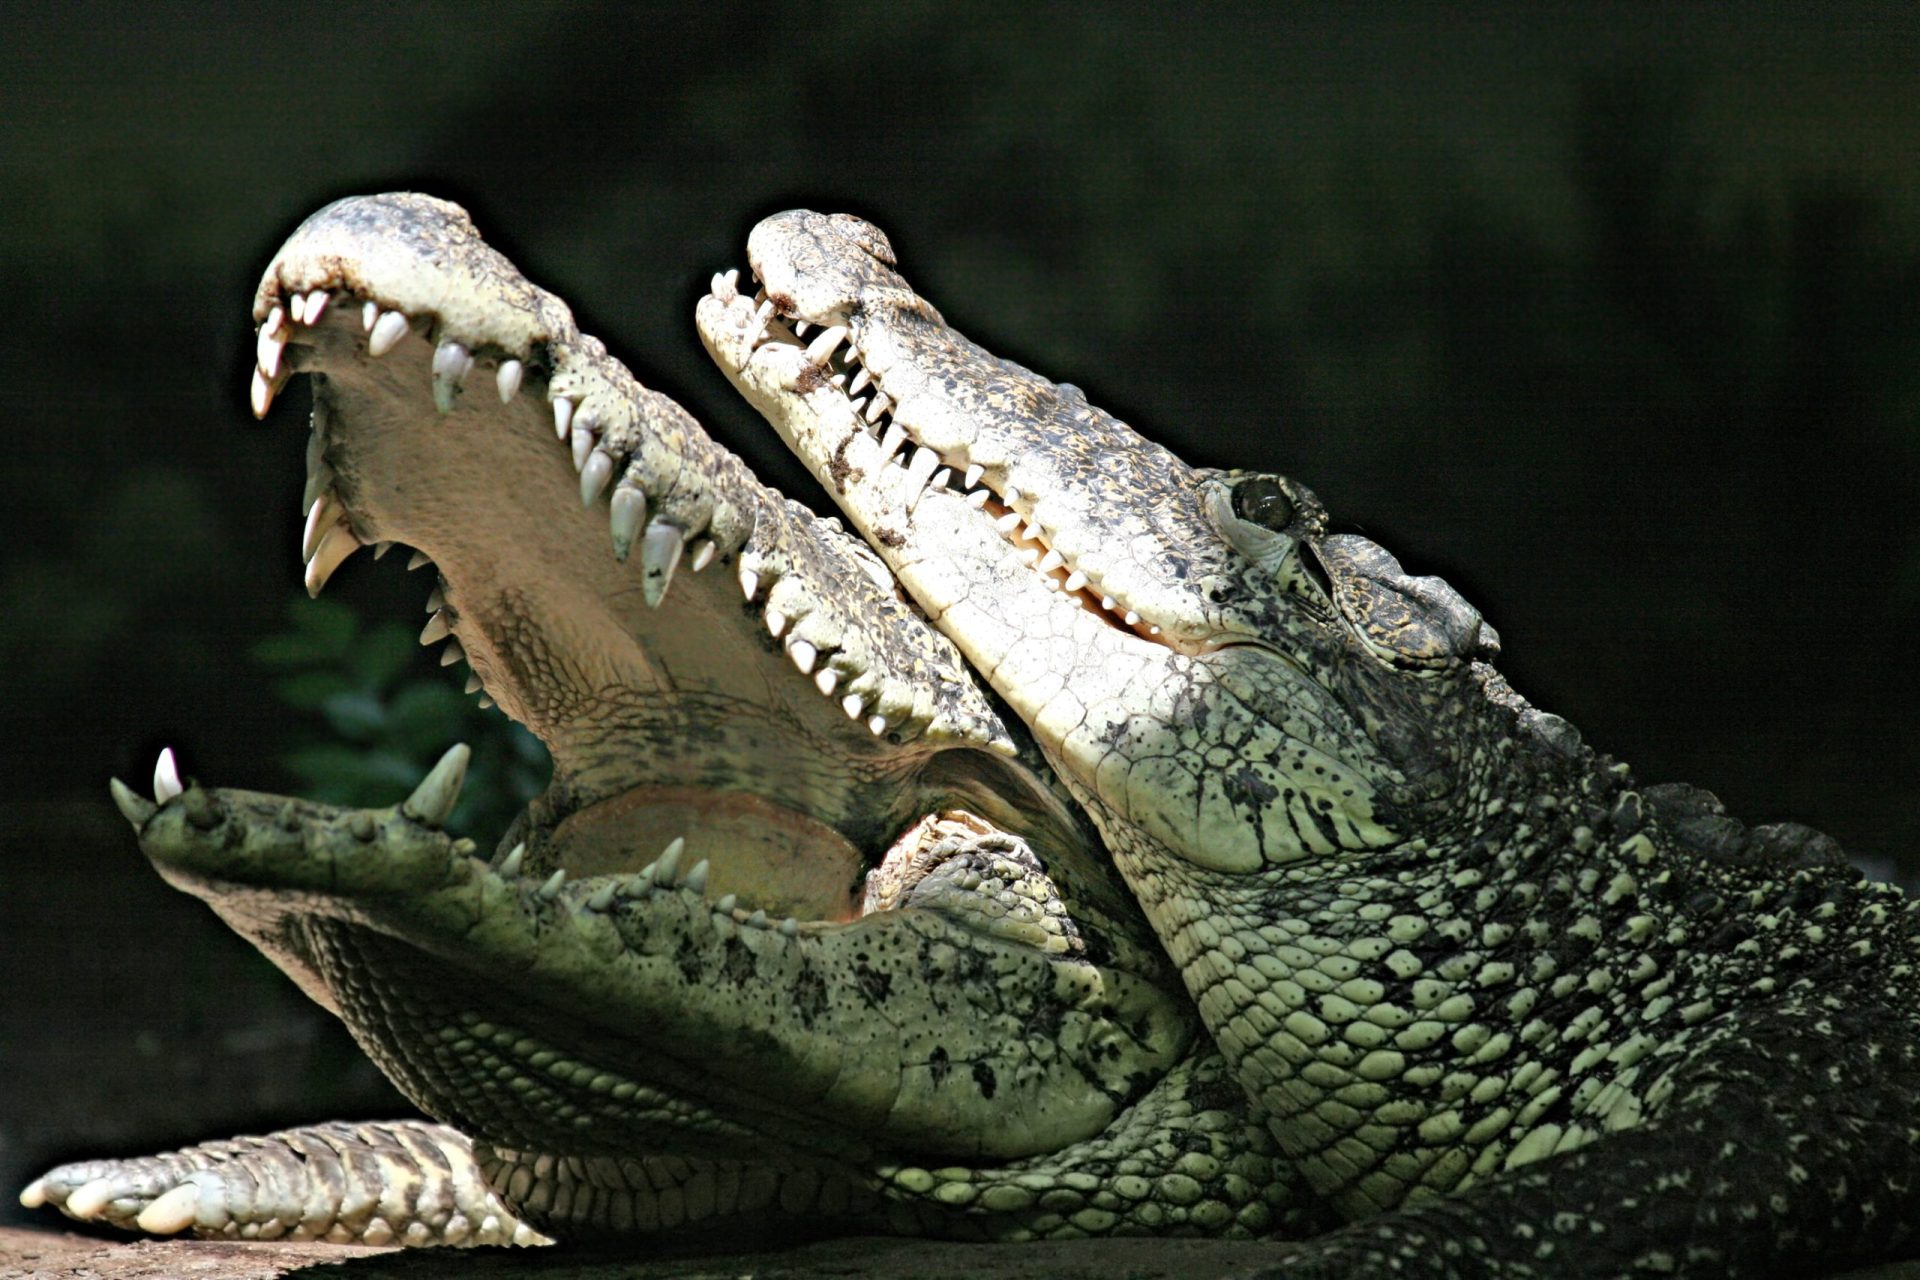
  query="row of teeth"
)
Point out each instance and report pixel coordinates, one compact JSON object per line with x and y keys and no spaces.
{"x":924,"y":468}
{"x":432,"y":802}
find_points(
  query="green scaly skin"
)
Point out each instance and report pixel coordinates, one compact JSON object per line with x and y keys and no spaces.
{"x":1508,"y":1013}
{"x":979,"y":1039}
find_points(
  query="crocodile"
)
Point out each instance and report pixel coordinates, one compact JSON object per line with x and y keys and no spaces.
{"x":1507,"y":1011}
{"x":803,"y":934}
{"x":1460,"y":995}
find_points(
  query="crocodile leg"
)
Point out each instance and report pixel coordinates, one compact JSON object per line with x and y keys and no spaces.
{"x":397,"y":1182}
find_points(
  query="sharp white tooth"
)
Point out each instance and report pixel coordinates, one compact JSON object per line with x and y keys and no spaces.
{"x":269,"y":348}
{"x":369,"y":315}
{"x":1075,"y":581}
{"x":582,"y":446}
{"x":919,"y":471}
{"x":418,"y":560}
{"x":853,"y":706}
{"x":703,"y":553}
{"x":260,"y":394}
{"x":510,"y":865}
{"x":1108,"y":603}
{"x":1153,"y":631}
{"x":800,"y":328}
{"x":666,"y":867}
{"x":876,"y":725}
{"x":473,"y":685}
{"x":506,"y":380}
{"x":436,"y":630}
{"x":757,"y":327}
{"x":629,"y":514}
{"x":879,"y":405}
{"x":860,"y":380}
{"x":820,"y":350}
{"x":166,"y":777}
{"x":316,"y":442}
{"x":890,"y":441}
{"x":1007,"y":523}
{"x":452,"y":363}
{"x":790,"y":927}
{"x":336,"y":544}
{"x":749,"y":582}
{"x":803,"y":655}
{"x":974,"y":472}
{"x":316,"y":303}
{"x":838,"y":380}
{"x":1131,"y":618}
{"x":697,"y":878}
{"x":758,"y":919}
{"x":433,"y":800}
{"x":562,"y":417}
{"x":826,"y":679}
{"x":319,"y":480}
{"x":594,"y":476}
{"x":978,"y":498}
{"x":271,"y":325}
{"x":485,"y":704}
{"x":436,"y":600}
{"x":1033,"y":528}
{"x":776,"y":622}
{"x":1050,"y":561}
{"x":726,"y":905}
{"x":297,"y":308}
{"x":1013,"y":495}
{"x":940,"y":478}
{"x":660,"y":548}
{"x":387,"y":332}
{"x":602,"y":897}
{"x":452,"y":653}
{"x":380,"y":550}
{"x":321,"y":516}
{"x":551,"y":889}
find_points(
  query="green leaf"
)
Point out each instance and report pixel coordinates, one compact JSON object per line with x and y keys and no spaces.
{"x":355,"y":714}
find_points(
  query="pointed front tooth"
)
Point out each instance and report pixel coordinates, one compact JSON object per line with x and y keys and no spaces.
{"x":369,"y":316}
{"x":790,"y":927}
{"x":319,"y":480}
{"x":336,"y":544}
{"x":776,"y":623}
{"x":602,"y":897}
{"x":826,"y":679}
{"x":582,"y":446}
{"x":877,"y":406}
{"x":803,"y":655}
{"x":800,"y":328}
{"x":974,"y":472}
{"x":452,"y":653}
{"x":697,"y":878}
{"x":919,"y":471}
{"x":594,"y":476}
{"x":749,"y":582}
{"x":758,"y":919}
{"x":472,"y":685}
{"x":890,"y":441}
{"x":629,"y":513}
{"x":978,"y":499}
{"x":380,"y":550}
{"x":876,"y":725}
{"x":660,"y":548}
{"x":316,"y":303}
{"x":725,"y":907}
{"x":433,"y":800}
{"x":551,"y":889}
{"x":269,"y":347}
{"x":506,"y":379}
{"x":1050,"y":561}
{"x":1007,"y":523}
{"x":321,"y":516}
{"x":418,"y":560}
{"x":297,"y":308}
{"x":860,"y":380}
{"x":1131,"y":618}
{"x":166,"y":776}
{"x":1074,"y":582}
{"x":703,"y":552}
{"x":387,"y":332}
{"x":260,"y":394}
{"x":562,"y":417}
{"x":436,"y":629}
{"x":940,"y":478}
{"x":853,"y":706}
{"x":1108,"y":603}
{"x":133,"y":806}
{"x":452,"y":362}
{"x":436,"y":600}
{"x":821,"y":348}
{"x":510,"y":865}
{"x":666,"y":867}
{"x":271,"y":326}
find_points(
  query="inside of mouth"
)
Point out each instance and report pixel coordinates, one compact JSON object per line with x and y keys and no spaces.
{"x":832,"y":349}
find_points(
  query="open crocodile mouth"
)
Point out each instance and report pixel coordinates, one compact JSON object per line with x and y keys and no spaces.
{"x":834,"y":351}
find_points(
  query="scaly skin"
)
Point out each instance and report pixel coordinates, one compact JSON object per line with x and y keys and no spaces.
{"x":986,"y":1042}
{"x":1509,"y":1013}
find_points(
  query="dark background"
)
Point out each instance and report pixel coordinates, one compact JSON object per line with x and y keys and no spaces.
{"x":1607,"y":314}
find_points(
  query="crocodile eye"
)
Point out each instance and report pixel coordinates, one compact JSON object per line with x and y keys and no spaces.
{"x":1261,"y":501}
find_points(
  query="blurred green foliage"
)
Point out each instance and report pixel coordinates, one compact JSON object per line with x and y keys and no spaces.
{"x":376,"y":726}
